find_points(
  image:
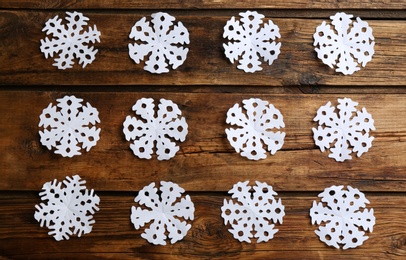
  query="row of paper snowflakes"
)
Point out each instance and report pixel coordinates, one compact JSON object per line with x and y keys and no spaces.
{"x":344,"y":45}
{"x":251,"y":213}
{"x":255,"y":128}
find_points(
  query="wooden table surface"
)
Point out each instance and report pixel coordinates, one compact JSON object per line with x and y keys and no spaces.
{"x":206,"y":166}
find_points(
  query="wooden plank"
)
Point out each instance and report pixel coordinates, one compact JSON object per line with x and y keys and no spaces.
{"x":113,"y":235}
{"x":206,"y":156}
{"x":203,"y":4}
{"x":22,"y":63}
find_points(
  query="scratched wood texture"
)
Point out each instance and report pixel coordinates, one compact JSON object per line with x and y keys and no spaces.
{"x":206,"y":166}
{"x":297,"y":65}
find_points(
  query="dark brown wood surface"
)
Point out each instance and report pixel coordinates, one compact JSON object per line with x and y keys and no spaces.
{"x":203,"y":4}
{"x":206,"y":156}
{"x":113,"y":235}
{"x":206,"y":63}
{"x":206,"y":166}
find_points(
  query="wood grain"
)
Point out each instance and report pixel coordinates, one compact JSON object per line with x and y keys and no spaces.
{"x":206,"y":156}
{"x":206,"y":166}
{"x":113,"y":235}
{"x":203,"y":4}
{"x":22,"y":63}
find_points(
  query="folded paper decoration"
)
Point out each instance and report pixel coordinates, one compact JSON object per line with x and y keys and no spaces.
{"x":347,"y":130}
{"x":67,"y":208}
{"x":344,"y":44}
{"x":69,"y":124}
{"x":70,"y":41}
{"x":252,"y":213}
{"x":147,"y":130}
{"x":255,"y":126}
{"x":168,"y":213}
{"x":163,"y":41}
{"x":250,"y":39}
{"x":342,"y":217}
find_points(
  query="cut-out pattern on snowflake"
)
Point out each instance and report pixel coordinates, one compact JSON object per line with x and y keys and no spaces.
{"x":69,"y":41}
{"x":344,"y":215}
{"x":67,"y":208}
{"x":250,"y":41}
{"x":346,"y":45}
{"x":252,"y":213}
{"x":67,"y":125}
{"x":148,"y":130}
{"x":166,"y":212}
{"x":255,"y":128}
{"x":163,"y":40}
{"x":345,"y":130}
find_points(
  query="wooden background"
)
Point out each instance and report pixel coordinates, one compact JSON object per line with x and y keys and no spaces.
{"x":206,"y":166}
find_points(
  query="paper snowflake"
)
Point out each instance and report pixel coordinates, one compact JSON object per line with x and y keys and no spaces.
{"x":69,"y":41}
{"x":347,"y":129}
{"x":148,"y":129}
{"x":163,"y":40}
{"x":255,"y":129}
{"x":67,"y":124}
{"x":252,"y":212}
{"x":250,"y":41}
{"x":345,"y":221}
{"x":346,"y":45}
{"x":166,"y":213}
{"x":67,"y":208}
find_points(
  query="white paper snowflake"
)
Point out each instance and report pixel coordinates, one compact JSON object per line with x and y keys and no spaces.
{"x":67,"y":208}
{"x":255,"y":129}
{"x":69,"y":41}
{"x":347,"y":129}
{"x":66,"y":127}
{"x":163,"y":41}
{"x":345,"y":221}
{"x":166,"y":212}
{"x":252,"y":212}
{"x":148,"y":129}
{"x":346,"y":45}
{"x":250,"y":41}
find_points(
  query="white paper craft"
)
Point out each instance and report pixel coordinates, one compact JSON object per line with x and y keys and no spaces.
{"x":67,"y":208}
{"x":166,"y":213}
{"x":148,"y":129}
{"x":67,"y":125}
{"x":163,"y":40}
{"x":345,"y":221}
{"x":346,"y":45}
{"x":347,"y":129}
{"x":69,"y":41}
{"x":252,"y":212}
{"x":250,"y":41}
{"x":255,"y":128}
